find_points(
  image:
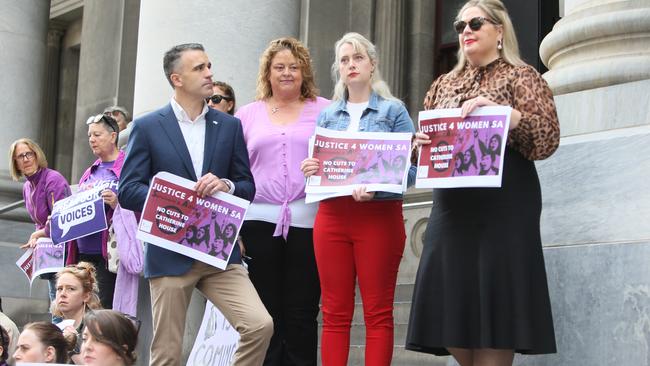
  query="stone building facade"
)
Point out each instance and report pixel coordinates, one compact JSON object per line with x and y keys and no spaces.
{"x":64,"y":60}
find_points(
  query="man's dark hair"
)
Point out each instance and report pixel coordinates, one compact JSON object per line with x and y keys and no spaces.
{"x":170,"y":60}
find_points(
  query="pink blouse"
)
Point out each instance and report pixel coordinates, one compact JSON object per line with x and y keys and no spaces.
{"x":275,"y":154}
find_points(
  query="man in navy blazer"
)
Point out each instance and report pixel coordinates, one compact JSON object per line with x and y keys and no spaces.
{"x":188,"y":139}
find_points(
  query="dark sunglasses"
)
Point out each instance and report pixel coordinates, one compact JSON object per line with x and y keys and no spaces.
{"x":110,"y":121}
{"x":474,"y":24}
{"x":216,"y":99}
{"x":135,"y":321}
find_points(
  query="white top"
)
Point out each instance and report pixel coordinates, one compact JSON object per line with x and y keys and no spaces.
{"x":302,"y":214}
{"x":193,"y":134}
{"x":355,"y":110}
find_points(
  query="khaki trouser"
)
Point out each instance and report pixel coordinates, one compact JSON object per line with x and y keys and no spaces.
{"x":230,"y":290}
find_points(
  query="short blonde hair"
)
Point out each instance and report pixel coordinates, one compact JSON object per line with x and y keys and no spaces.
{"x":41,"y":161}
{"x":308,"y":88}
{"x":86,"y":274}
{"x":497,"y":12}
{"x":362,"y":45}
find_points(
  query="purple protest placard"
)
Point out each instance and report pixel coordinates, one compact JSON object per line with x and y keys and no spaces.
{"x":464,"y":152}
{"x":46,"y":257}
{"x":377,"y":160}
{"x":175,"y":218}
{"x":77,"y":216}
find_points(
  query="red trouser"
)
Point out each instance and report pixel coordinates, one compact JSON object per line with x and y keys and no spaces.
{"x":364,"y":240}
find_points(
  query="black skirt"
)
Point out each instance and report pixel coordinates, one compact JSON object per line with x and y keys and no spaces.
{"x":481,"y":282}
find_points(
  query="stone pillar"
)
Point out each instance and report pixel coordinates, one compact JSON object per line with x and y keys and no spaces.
{"x":390,"y":41}
{"x":50,"y":92}
{"x":24,"y":39}
{"x":595,"y":188}
{"x":234,"y":37}
{"x":99,"y":70}
{"x":419,"y":63}
{"x":599,"y":43}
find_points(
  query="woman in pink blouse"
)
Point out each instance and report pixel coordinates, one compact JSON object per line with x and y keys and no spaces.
{"x":277,"y":233}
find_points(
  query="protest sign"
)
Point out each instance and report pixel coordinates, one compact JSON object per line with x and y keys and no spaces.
{"x":77,"y":216}
{"x":216,"y":342}
{"x":377,"y":160}
{"x":45,"y":257}
{"x":464,"y":152}
{"x":175,"y":218}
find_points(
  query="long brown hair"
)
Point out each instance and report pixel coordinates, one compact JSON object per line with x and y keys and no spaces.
{"x":115,"y":330}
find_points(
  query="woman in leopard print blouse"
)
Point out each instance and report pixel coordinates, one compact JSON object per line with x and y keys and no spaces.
{"x":481,"y":292}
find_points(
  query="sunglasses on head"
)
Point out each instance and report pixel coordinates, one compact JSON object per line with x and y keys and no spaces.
{"x":216,"y":99}
{"x":474,"y":24}
{"x":110,"y":121}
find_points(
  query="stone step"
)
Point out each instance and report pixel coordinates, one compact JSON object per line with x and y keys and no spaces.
{"x":401,"y":357}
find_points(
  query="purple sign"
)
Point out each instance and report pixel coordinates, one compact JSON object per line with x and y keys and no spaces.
{"x":77,"y":216}
{"x":46,"y":257}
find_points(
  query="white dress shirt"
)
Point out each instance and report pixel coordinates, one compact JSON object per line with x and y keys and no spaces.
{"x":194,"y":135}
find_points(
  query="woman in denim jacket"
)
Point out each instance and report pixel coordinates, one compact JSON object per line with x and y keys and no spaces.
{"x":362,"y":235}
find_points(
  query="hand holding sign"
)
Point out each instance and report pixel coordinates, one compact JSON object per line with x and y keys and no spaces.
{"x":309,"y":166}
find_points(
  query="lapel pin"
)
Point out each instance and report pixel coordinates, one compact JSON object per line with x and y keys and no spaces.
{"x":215,"y":122}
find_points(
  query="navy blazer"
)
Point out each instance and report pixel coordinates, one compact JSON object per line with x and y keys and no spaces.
{"x":156,"y":144}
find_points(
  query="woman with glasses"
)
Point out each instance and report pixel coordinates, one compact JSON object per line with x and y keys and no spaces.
{"x":44,"y":186}
{"x":223,"y":98}
{"x":109,"y":339}
{"x":76,"y":294}
{"x":359,"y":237}
{"x":481,"y":292}
{"x":277,"y":232}
{"x":105,"y":173}
{"x":42,"y":342}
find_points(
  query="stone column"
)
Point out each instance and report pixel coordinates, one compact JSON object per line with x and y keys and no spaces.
{"x":595,"y":188}
{"x":390,"y":41}
{"x":24,"y":39}
{"x":50,"y":91}
{"x":234,"y":37}
{"x":99,"y":71}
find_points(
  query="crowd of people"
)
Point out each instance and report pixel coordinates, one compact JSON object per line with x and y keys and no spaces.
{"x":480,"y":294}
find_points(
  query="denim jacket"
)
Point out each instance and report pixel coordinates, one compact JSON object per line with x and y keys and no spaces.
{"x":381,"y":115}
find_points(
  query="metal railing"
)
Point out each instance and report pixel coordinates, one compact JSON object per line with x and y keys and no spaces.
{"x":11,"y":207}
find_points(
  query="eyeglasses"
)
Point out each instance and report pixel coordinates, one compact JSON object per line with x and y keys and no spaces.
{"x":29,"y":155}
{"x":474,"y":24}
{"x":216,"y":99}
{"x":110,"y":121}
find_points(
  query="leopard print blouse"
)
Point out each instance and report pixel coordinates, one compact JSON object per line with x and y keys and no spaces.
{"x":538,"y":134}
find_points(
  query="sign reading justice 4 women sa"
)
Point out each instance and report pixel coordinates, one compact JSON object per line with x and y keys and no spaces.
{"x":377,"y":160}
{"x":464,"y":152}
{"x":175,"y":218}
{"x":78,"y":215}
